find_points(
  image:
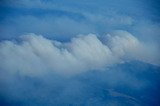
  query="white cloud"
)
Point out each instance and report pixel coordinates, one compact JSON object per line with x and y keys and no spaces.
{"x":127,"y":47}
{"x":90,"y":50}
{"x":122,"y":43}
{"x":36,"y":55}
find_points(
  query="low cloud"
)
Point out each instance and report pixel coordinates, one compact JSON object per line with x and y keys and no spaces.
{"x":35,"y":55}
{"x":97,"y":69}
{"x":127,"y":47}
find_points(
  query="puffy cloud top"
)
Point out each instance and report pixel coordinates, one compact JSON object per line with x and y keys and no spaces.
{"x":36,"y":55}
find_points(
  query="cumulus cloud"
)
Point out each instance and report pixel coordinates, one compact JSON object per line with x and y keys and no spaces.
{"x":95,"y":69}
{"x":36,"y":55}
{"x":126,"y":46}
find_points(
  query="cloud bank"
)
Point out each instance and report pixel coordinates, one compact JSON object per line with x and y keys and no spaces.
{"x":34,"y":55}
{"x":60,"y":67}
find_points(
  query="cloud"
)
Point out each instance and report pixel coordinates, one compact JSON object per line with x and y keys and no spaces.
{"x":61,"y":67}
{"x":35,"y":55}
{"x":127,"y":47}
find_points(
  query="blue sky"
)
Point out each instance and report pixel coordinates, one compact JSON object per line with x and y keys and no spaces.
{"x":65,"y":19}
{"x":70,"y":52}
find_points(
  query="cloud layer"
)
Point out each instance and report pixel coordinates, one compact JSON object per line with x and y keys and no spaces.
{"x":35,"y":55}
{"x":61,"y":67}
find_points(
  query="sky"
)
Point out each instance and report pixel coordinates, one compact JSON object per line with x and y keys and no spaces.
{"x":51,"y":45}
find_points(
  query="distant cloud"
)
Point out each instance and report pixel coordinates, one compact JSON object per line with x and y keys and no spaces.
{"x":126,"y":46}
{"x":79,"y":52}
{"x":35,"y":55}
